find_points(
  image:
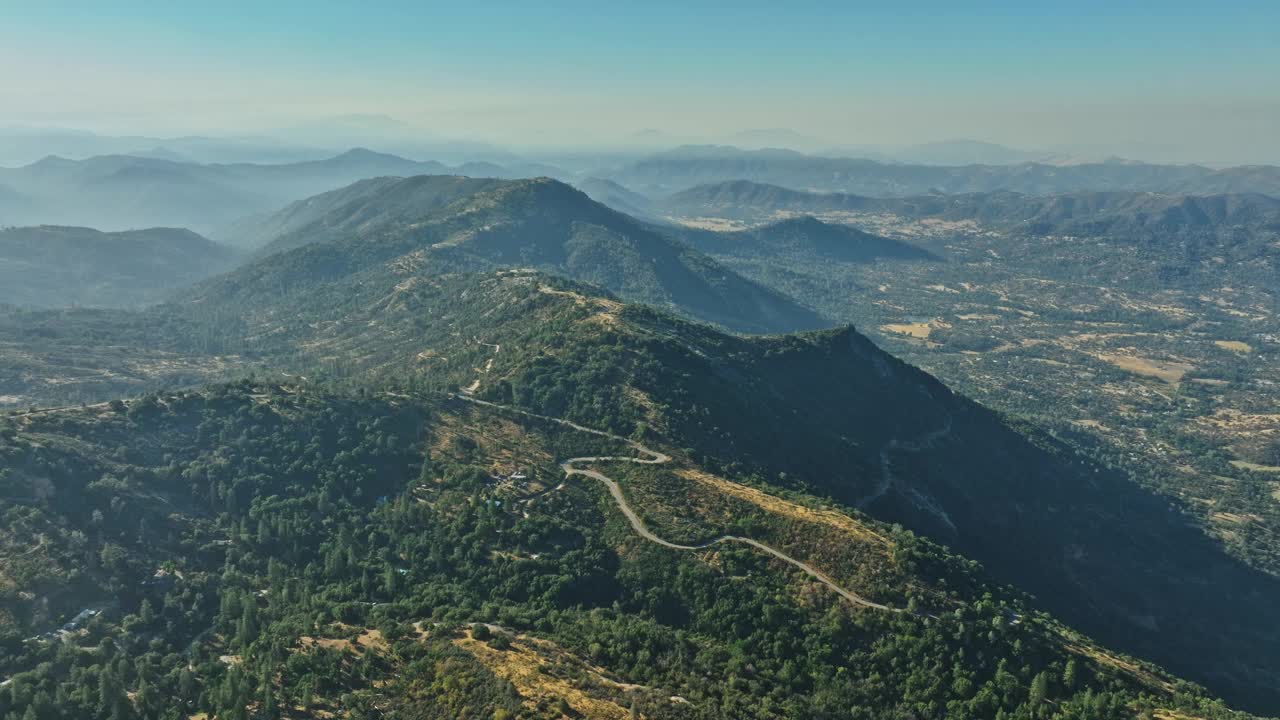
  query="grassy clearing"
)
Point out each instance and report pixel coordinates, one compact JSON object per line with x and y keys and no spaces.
{"x":917,"y":330}
{"x":1255,"y":467}
{"x":778,"y":506}
{"x":1169,"y":371}
{"x":1234,"y":346}
{"x":539,"y":670}
{"x":1124,"y":665}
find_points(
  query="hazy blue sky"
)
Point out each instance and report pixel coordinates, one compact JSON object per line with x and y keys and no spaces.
{"x":1200,"y":76}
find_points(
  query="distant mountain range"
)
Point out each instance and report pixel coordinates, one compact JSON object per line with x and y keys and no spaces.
{"x":50,"y":266}
{"x":160,"y":188}
{"x":123,"y":191}
{"x":689,"y":166}
{"x":314,"y":139}
{"x":1083,"y":213}
{"x":965,"y":152}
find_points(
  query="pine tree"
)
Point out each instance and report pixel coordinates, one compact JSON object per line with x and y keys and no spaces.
{"x":1070,"y":676}
{"x":1039,"y":689}
{"x":269,"y":702}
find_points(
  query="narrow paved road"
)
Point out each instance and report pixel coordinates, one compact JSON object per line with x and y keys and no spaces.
{"x":658,"y":458}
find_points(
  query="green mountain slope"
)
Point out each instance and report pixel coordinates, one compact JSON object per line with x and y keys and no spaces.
{"x":66,"y":266}
{"x":539,"y":223}
{"x":366,"y":205}
{"x":831,"y":414}
{"x":825,"y":414}
{"x":257,"y":546}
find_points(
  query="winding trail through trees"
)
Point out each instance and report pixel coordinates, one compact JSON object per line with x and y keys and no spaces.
{"x":657,"y":458}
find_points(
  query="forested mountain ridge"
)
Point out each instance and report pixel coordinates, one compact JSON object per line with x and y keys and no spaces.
{"x":363,"y":206}
{"x":263,"y":548}
{"x":835,"y":415}
{"x":826,"y":414}
{"x":50,"y":266}
{"x":538,"y":223}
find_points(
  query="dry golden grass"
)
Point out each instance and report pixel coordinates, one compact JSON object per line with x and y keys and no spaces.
{"x":710,"y":223}
{"x":1234,"y":518}
{"x":917,"y":330}
{"x":528,"y":664}
{"x":1232,"y":419}
{"x":1167,"y":370}
{"x":368,"y":639}
{"x":1234,"y":346}
{"x":605,"y":304}
{"x":606,"y":310}
{"x":501,"y":441}
{"x":1107,"y":659}
{"x":785,"y":508}
{"x":1255,"y":467}
{"x":1166,"y":714}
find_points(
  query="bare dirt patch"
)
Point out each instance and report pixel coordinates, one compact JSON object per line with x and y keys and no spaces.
{"x":917,"y":330}
{"x":1169,"y":371}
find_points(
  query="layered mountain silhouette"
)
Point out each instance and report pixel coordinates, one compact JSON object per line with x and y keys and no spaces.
{"x":123,"y":191}
{"x":616,"y":196}
{"x":688,"y":166}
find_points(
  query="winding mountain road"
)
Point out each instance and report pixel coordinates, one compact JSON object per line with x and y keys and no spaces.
{"x":658,"y":458}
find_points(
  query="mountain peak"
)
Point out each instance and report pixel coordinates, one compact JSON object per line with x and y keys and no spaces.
{"x":365,"y":154}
